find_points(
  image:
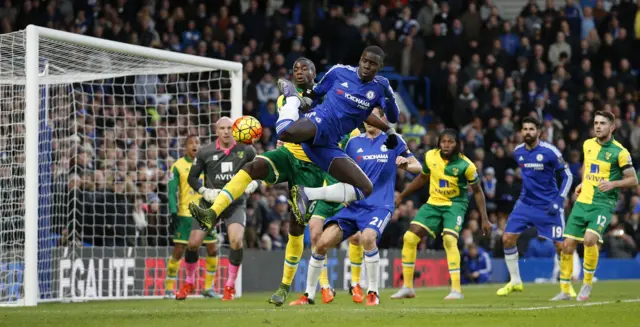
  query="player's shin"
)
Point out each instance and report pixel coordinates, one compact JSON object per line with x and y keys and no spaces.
{"x":409,"y":252}
{"x":316,"y":263}
{"x":233,"y":190}
{"x":288,"y":114}
{"x":235,"y":260}
{"x":566,"y":270}
{"x":212,"y":267}
{"x":591,"y":254}
{"x":355,"y":257}
{"x":324,"y":276}
{"x":292,"y":255}
{"x":191,"y":264}
{"x":372,"y":262}
{"x":453,"y":260}
{"x":338,"y":192}
{"x":511,"y":258}
{"x":172,"y":273}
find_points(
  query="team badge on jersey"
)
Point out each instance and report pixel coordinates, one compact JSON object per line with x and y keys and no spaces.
{"x":607,"y":155}
{"x":455,"y":171}
{"x":215,"y":157}
{"x":240,"y":155}
{"x":371,"y":95}
{"x":539,"y":157}
{"x":383,"y":148}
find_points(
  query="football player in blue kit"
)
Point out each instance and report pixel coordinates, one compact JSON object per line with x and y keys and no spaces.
{"x":369,"y":216}
{"x":349,"y":95}
{"x":541,"y":203}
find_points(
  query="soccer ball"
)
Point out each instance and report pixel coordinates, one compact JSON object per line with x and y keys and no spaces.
{"x":247,"y":130}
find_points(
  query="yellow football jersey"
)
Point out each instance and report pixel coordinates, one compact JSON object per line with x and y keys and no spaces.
{"x":180,"y":193}
{"x":448,"y":179}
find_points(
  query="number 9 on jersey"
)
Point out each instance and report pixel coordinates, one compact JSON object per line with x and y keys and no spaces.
{"x":247,"y":129}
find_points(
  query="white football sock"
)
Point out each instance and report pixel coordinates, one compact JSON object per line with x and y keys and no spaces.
{"x":290,"y":110}
{"x":338,"y":192}
{"x":372,"y":263}
{"x":316,"y":263}
{"x":511,"y":258}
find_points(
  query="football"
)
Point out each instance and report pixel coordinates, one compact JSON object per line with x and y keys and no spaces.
{"x":247,"y":129}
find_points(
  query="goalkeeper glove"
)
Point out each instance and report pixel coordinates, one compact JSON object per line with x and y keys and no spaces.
{"x":252,"y":187}
{"x":209,"y":194}
{"x":393,"y":139}
{"x":556,"y":205}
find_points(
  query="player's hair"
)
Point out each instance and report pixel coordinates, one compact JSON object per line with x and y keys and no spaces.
{"x":606,"y":114}
{"x":453,"y":133}
{"x":191,"y":136}
{"x":307,"y":62}
{"x":531,"y":120}
{"x":376,"y":50}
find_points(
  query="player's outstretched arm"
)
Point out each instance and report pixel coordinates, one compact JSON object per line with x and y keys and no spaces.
{"x":417,"y":183}
{"x":478,"y":195}
{"x":390,"y":106}
{"x":393,"y":138}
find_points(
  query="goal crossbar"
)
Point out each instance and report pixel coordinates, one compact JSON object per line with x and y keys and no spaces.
{"x":32,"y":81}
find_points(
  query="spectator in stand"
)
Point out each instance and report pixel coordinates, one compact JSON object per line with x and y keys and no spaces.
{"x":475,"y":266}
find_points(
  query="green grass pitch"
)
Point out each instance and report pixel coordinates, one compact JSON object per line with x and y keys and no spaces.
{"x":612,"y":304}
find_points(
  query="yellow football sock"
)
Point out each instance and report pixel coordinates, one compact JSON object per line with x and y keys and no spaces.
{"x":233,"y":190}
{"x":292,"y":255}
{"x":566,"y":270}
{"x":355,"y":256}
{"x":409,"y":252}
{"x":172,"y":274}
{"x":324,"y":277}
{"x":453,"y":259}
{"x":591,"y":254}
{"x":212,"y":267}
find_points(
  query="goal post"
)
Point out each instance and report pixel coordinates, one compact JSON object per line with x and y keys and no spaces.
{"x":55,"y":78}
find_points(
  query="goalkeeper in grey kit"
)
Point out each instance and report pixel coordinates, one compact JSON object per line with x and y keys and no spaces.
{"x":219,"y":161}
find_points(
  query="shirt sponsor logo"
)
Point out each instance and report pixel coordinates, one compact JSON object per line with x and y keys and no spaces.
{"x":378,"y":157}
{"x":534,"y":166}
{"x":362,"y":104}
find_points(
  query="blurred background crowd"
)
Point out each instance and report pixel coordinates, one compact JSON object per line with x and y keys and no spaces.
{"x":485,"y":68}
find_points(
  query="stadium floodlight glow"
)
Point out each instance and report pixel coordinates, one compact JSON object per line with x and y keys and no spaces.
{"x":60,"y":96}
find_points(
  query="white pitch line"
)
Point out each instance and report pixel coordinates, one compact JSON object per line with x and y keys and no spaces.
{"x":452,"y":310}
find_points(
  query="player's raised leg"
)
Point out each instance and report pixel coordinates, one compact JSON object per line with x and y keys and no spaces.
{"x":356,"y":252}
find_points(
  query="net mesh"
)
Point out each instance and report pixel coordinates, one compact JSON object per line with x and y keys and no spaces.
{"x":110,"y":127}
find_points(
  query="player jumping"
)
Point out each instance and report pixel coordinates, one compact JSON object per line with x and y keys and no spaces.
{"x":448,"y":172}
{"x":350,"y":94}
{"x":369,"y":216}
{"x":219,"y":161}
{"x":541,"y":203}
{"x":180,"y":194}
{"x":607,"y":168}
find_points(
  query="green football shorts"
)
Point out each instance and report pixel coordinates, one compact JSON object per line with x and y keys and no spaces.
{"x":587,"y":217}
{"x":437,"y":219}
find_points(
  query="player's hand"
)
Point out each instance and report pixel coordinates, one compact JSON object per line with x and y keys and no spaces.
{"x":402,"y":162}
{"x":486,"y":227}
{"x":578,"y":189}
{"x":252,"y":187}
{"x":555,"y":206}
{"x":393,"y":139}
{"x":606,"y":186}
{"x":210,"y":194}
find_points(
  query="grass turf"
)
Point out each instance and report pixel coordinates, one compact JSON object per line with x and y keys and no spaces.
{"x":615,"y":303}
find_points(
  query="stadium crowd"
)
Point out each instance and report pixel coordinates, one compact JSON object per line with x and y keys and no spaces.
{"x":559,"y":62}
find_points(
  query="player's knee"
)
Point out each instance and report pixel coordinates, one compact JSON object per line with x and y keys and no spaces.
{"x":569,"y":245}
{"x":193,"y":246}
{"x":236,"y":243}
{"x":591,"y":239}
{"x":256,"y":169}
{"x":212,"y":250}
{"x":559,"y":246}
{"x":410,"y":238}
{"x":509,"y":240}
{"x":355,"y":239}
{"x":368,"y":239}
{"x":449,"y":241}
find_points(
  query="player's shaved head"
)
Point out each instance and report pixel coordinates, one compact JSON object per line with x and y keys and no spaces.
{"x":307,"y":62}
{"x":376,"y":50}
{"x":224,"y":121}
{"x":223,"y":131}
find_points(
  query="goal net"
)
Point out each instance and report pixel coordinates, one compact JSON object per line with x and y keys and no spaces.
{"x":89,"y":130}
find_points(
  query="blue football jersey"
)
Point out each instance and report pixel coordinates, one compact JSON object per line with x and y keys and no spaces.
{"x":538,"y":168}
{"x":348,"y":101}
{"x":379,"y":164}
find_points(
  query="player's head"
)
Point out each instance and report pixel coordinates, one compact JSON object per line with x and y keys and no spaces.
{"x":378,"y":112}
{"x":191,"y":145}
{"x":449,"y":143}
{"x":371,"y":61}
{"x":604,"y":123}
{"x":223,"y":131}
{"x":304,"y":72}
{"x":530,"y":130}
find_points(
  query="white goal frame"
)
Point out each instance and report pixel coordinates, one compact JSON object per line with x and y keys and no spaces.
{"x":32,"y":107}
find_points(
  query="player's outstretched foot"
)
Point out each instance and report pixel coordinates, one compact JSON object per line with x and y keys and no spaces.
{"x":572,"y":291}
{"x":327,"y":295}
{"x":372,"y":298}
{"x":562,"y":296}
{"x":169,"y":295}
{"x":205,"y":217}
{"x":404,"y":293}
{"x":229,"y":293}
{"x":300,"y":203}
{"x":185,"y":290}
{"x":584,"y":294}
{"x":211,"y":294}
{"x":279,"y":296}
{"x":509,"y":288}
{"x":454,"y":295}
{"x":289,"y":90}
{"x":303,"y":300}
{"x":356,"y":294}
